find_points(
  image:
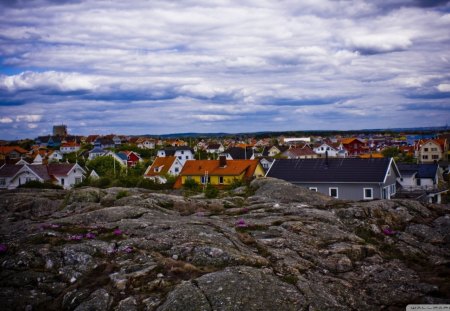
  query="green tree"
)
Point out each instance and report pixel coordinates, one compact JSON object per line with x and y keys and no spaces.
{"x":390,"y":152}
{"x":104,"y":166}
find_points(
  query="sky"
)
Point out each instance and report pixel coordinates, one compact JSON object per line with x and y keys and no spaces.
{"x":159,"y":67}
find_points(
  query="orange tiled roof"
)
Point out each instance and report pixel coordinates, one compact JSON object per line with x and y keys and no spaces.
{"x":373,"y":156}
{"x":165,"y":162}
{"x":347,"y":141}
{"x":70,"y":144}
{"x":9,"y":149}
{"x":233,"y":168}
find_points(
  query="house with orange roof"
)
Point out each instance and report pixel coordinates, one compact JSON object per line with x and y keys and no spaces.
{"x":374,"y":155}
{"x":163,"y":167}
{"x":12,"y":152}
{"x":431,"y":150}
{"x":354,"y":146}
{"x":219,"y":173}
{"x":69,"y":147}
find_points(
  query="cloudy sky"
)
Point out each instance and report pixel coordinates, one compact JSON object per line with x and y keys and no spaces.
{"x":155,"y":67}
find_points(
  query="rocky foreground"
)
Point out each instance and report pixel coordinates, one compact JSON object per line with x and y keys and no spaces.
{"x":281,"y":248}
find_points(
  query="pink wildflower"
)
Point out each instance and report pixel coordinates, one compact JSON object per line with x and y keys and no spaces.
{"x":128,"y":249}
{"x":76,"y":237}
{"x":241,"y":223}
{"x":3,"y":248}
{"x":90,"y":235}
{"x":117,"y":232}
{"x":388,"y":231}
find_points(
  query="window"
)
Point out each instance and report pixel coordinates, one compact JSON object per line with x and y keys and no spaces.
{"x":368,"y":193}
{"x":425,"y":157}
{"x":187,"y":157}
{"x":418,"y":183}
{"x":2,"y":181}
{"x":333,"y":192}
{"x":433,"y":149}
{"x":425,"y":149}
{"x":204,"y":180}
{"x":182,"y":151}
{"x":179,"y":157}
{"x":220,"y":179}
{"x":313,"y":189}
{"x":392,"y":189}
{"x":177,"y":169}
{"x":435,"y":157}
{"x":62,"y":181}
{"x":28,"y":179}
{"x":78,"y":180}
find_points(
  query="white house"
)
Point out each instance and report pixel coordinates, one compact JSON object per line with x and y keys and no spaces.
{"x":333,"y":151}
{"x":55,"y":156}
{"x":215,"y":148}
{"x":182,"y":153}
{"x":63,"y":174}
{"x":96,"y":152}
{"x":147,"y":144}
{"x":163,"y":166}
{"x":421,"y":181}
{"x":69,"y":147}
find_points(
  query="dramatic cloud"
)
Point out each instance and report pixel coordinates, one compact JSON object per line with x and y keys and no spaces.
{"x":153,"y":67}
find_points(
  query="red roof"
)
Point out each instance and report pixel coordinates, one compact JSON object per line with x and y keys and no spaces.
{"x":8,"y":149}
{"x":162,"y":163}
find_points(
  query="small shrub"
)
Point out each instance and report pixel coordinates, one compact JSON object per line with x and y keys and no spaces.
{"x":191,"y":184}
{"x":121,"y":194}
{"x":35,"y":184}
{"x":211,"y":192}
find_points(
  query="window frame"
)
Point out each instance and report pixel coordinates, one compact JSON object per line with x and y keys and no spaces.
{"x":313,"y":189}
{"x":337,"y":192}
{"x":371,"y":193}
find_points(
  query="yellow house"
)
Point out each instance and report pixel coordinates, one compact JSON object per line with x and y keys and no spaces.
{"x":220,"y":173}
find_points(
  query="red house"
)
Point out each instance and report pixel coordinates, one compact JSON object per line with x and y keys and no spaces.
{"x":354,"y":146}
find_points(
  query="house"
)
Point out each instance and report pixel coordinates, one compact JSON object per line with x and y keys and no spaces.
{"x":300,"y":153}
{"x":132,"y":158}
{"x":220,"y":173}
{"x":347,"y":178}
{"x":238,"y":153}
{"x":91,"y":139}
{"x":162,"y":167}
{"x":421,"y":181}
{"x":63,"y":174}
{"x":120,"y":157}
{"x":69,"y":147}
{"x":182,"y":153}
{"x":96,"y":152}
{"x":332,"y":150}
{"x":12,"y":152}
{"x":274,"y":150}
{"x":146,"y":143}
{"x":55,"y":156}
{"x":215,"y":148}
{"x":432,"y":150}
{"x":104,"y":142}
{"x":354,"y":146}
{"x":266,"y":163}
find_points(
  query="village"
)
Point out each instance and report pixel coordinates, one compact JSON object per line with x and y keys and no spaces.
{"x":357,"y":167}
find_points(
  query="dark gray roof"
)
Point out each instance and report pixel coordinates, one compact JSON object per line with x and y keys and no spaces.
{"x":422,"y":170}
{"x":170,"y":151}
{"x":238,"y":153}
{"x":330,"y":170}
{"x":9,"y":170}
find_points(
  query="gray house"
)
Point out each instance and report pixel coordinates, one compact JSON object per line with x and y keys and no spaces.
{"x":346,"y":178}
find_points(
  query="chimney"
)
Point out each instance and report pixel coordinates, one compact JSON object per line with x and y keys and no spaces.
{"x":222,"y":161}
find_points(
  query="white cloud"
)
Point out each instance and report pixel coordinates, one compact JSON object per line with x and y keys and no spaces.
{"x":444,"y":87}
{"x":6,"y":120}
{"x":187,"y":63}
{"x":29,"y":118}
